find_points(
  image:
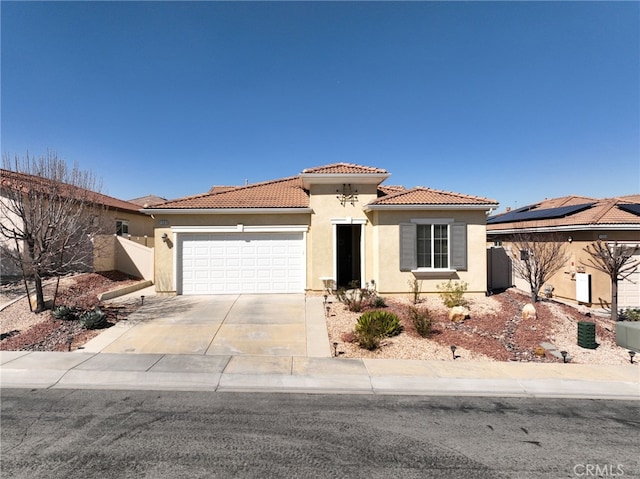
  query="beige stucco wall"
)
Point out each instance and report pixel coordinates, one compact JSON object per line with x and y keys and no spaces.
{"x":140,"y":225}
{"x":380,"y":258}
{"x":320,"y":245}
{"x":564,"y":283}
{"x":387,"y":253}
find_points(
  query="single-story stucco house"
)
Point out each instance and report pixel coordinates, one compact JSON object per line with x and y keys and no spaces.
{"x":330,"y":225}
{"x":120,"y":220}
{"x":578,"y":221}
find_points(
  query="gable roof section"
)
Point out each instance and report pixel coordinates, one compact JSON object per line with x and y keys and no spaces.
{"x":421,"y":197}
{"x":289,"y":194}
{"x":283,"y":193}
{"x":12,"y":179}
{"x":344,"y":169}
{"x":571,"y":212}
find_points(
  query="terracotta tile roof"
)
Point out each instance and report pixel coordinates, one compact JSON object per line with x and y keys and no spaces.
{"x":389,"y":189}
{"x":148,"y":200}
{"x":344,"y":168}
{"x":221,"y":188}
{"x":594,"y":212}
{"x":283,"y":193}
{"x":11,"y":179}
{"x":428,"y":196}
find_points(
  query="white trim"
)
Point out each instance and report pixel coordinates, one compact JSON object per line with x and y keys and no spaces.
{"x":176,"y":249}
{"x":433,"y":270}
{"x":224,"y":211}
{"x":349,"y":221}
{"x":339,"y":178}
{"x":430,"y":222}
{"x":240,"y":228}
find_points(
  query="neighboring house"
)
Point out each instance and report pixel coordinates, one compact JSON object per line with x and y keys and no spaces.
{"x":331,"y":225}
{"x":580,"y":221}
{"x":148,"y":200}
{"x":123,"y":218}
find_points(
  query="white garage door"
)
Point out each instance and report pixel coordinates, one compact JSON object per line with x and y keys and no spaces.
{"x":629,"y":290}
{"x":242,"y":263}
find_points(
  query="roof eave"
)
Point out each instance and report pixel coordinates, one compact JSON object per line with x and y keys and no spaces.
{"x":224,"y":211}
{"x":432,"y":207}
{"x":309,"y":179}
{"x":551,"y":229}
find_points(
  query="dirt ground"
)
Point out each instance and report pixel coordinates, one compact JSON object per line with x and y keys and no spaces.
{"x":20,"y":329}
{"x":495,"y":330}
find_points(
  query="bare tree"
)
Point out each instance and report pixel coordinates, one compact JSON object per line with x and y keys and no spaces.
{"x":49,"y":214}
{"x":536,"y":258}
{"x":615,"y":260}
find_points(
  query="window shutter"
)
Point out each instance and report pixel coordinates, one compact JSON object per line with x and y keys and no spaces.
{"x":408,"y":247}
{"x":459,"y":246}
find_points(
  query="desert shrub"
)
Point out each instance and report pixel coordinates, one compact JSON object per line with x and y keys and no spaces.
{"x":421,"y":320}
{"x":372,"y":326}
{"x":367,"y":333}
{"x":378,"y":302}
{"x":452,"y":294}
{"x":415,"y":288}
{"x":356,"y":299}
{"x":630,"y":314}
{"x":94,"y":319}
{"x":64,"y":313}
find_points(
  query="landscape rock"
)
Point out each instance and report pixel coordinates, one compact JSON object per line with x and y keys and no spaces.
{"x":458,"y":314}
{"x":529,"y":312}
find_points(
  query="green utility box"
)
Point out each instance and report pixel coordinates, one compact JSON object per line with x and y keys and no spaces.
{"x":587,"y":335}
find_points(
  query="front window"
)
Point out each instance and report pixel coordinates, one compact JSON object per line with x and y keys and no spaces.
{"x":433,"y":246}
{"x":122,"y":227}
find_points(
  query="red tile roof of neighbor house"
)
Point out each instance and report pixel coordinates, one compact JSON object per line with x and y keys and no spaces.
{"x":26,"y":182}
{"x":569,"y":211}
{"x":148,"y":200}
{"x":290,"y":193}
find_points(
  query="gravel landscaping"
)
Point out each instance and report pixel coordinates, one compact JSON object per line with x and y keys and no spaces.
{"x":494,"y":331}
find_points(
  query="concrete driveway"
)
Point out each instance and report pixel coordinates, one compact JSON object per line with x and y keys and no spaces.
{"x":231,"y":325}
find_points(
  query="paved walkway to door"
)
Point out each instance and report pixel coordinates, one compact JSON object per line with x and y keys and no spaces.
{"x":256,"y":325}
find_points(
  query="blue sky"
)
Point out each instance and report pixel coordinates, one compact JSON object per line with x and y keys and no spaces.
{"x":514,"y":101}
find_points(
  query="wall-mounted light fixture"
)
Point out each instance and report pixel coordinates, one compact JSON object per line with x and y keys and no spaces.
{"x":165,"y":237}
{"x":347,"y":195}
{"x":570,"y":239}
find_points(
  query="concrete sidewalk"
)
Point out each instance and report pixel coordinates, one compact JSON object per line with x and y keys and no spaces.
{"x":22,"y":369}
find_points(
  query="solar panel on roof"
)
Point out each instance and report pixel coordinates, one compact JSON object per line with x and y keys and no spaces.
{"x":536,"y":214}
{"x":631,"y":208}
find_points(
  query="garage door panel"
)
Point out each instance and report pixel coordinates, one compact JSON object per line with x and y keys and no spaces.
{"x":242,"y":263}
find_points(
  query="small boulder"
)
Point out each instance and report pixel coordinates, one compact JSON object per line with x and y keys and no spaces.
{"x":457,"y":314}
{"x":529,"y":312}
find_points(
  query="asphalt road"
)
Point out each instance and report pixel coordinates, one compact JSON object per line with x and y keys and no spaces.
{"x":147,"y":434}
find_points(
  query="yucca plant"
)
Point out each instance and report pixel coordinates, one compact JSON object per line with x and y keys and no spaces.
{"x":372,"y":326}
{"x":94,"y":319}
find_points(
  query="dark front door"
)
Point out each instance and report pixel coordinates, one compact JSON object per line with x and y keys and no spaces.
{"x":348,"y":256}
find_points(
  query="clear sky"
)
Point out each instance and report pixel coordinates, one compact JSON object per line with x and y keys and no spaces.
{"x":514,"y":101}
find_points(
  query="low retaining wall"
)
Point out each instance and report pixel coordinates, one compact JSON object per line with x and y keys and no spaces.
{"x":628,"y":335}
{"x":114,"y":293}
